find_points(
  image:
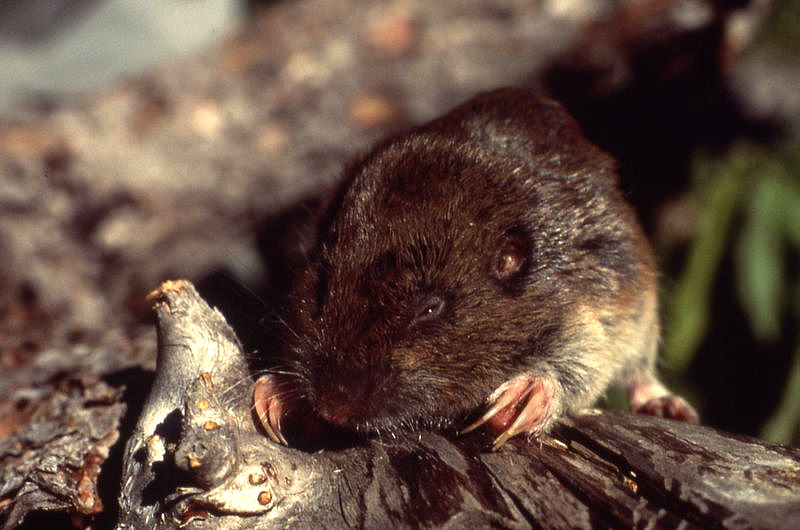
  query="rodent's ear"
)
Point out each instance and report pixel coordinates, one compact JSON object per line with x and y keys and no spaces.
{"x":510,"y":256}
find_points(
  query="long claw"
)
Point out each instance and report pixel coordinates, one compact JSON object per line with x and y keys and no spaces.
{"x":506,"y":395}
{"x":268,"y":408}
{"x":527,"y":400}
{"x":534,"y":415}
{"x":472,"y":426}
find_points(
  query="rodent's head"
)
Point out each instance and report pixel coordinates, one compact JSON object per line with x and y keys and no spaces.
{"x":420,"y":298}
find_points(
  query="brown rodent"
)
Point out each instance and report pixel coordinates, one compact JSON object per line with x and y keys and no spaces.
{"x":486,"y":258}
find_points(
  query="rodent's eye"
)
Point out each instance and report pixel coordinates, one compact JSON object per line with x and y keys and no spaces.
{"x":428,"y":309}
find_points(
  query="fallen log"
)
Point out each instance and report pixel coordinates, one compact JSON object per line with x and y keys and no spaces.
{"x":196,"y":458}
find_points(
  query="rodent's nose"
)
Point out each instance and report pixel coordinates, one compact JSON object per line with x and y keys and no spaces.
{"x":336,"y":412}
{"x":340,"y":418}
{"x":342,"y":403}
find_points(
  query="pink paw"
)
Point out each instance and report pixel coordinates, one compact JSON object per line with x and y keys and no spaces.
{"x":670,"y":406}
{"x":525,"y":404}
{"x":269,"y":407}
{"x":649,"y":396}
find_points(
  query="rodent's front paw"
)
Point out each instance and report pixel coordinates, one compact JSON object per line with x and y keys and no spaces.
{"x":525,"y":404}
{"x":269,"y":407}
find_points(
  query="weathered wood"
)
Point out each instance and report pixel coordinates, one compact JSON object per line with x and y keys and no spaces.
{"x":600,"y":469}
{"x":54,"y":463}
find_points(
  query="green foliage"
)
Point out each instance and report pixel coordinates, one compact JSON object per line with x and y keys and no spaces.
{"x":770,"y":229}
{"x":784,"y":424}
{"x":749,"y":201}
{"x":689,"y":302}
{"x":780,"y":33}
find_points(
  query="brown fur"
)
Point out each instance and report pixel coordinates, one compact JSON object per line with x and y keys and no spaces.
{"x":489,"y":243}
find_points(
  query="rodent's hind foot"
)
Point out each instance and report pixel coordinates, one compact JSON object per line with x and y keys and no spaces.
{"x":525,"y":404}
{"x":671,"y":406}
{"x":649,"y":396}
{"x":269,"y":408}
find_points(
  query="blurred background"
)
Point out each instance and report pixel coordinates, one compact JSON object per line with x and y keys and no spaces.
{"x":69,"y":46}
{"x":699,"y":102}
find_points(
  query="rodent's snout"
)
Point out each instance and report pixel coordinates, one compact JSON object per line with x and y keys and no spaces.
{"x":336,"y":403}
